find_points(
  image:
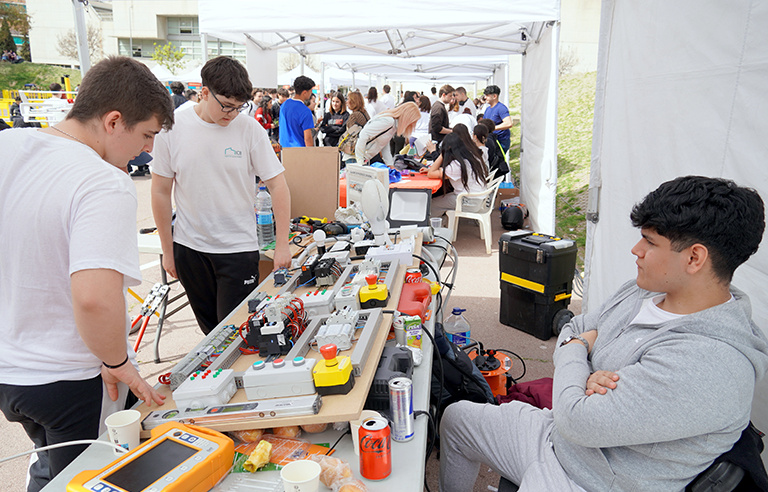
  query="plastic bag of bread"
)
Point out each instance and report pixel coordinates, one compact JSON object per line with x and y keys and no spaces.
{"x":259,"y":457}
{"x":332,"y":469}
{"x":349,"y":485}
{"x":251,"y":435}
{"x":314,"y":428}
{"x":289,"y":431}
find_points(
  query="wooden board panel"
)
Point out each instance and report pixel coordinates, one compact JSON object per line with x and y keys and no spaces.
{"x":312,"y":174}
{"x":335,"y":408}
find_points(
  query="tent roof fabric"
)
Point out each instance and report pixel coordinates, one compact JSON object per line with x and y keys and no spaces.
{"x":428,"y":37}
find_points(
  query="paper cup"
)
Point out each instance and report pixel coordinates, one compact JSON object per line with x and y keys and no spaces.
{"x":354,"y":426}
{"x":301,"y":476}
{"x":123,"y":428}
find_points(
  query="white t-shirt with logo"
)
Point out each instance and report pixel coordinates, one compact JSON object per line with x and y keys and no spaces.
{"x":214,"y":169}
{"x":64,"y":210}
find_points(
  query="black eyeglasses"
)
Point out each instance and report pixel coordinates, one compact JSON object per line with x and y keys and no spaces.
{"x":227,"y":109}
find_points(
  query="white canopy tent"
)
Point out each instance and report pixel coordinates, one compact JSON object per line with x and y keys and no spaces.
{"x":431,"y":37}
{"x":331,"y":77}
{"x":673,"y":99}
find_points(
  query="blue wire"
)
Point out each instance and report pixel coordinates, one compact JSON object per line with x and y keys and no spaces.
{"x":308,"y":281}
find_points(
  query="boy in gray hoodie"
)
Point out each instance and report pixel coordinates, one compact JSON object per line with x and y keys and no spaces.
{"x":653,"y":386}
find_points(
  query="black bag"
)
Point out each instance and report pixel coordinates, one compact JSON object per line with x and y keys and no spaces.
{"x":497,"y":162}
{"x":461,"y":379}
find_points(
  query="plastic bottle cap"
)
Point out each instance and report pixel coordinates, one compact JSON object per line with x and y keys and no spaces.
{"x":457,"y":311}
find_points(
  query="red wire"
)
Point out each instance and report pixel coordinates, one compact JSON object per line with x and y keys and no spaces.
{"x":164,"y":378}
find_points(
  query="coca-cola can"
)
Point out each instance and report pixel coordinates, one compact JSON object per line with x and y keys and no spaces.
{"x":375,"y":449}
{"x":401,"y":406}
{"x":412,"y":276}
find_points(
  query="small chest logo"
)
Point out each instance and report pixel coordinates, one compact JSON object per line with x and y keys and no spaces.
{"x":230,"y":152}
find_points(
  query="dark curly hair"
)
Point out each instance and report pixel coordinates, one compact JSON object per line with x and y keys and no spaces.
{"x":717,"y":213}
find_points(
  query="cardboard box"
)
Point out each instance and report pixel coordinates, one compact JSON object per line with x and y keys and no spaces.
{"x":505,"y":193}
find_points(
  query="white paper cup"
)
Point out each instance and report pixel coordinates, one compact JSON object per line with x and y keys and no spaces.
{"x":354,"y":426}
{"x":301,"y":476}
{"x":123,"y":428}
{"x":436,"y":222}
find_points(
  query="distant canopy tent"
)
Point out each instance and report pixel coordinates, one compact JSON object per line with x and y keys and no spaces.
{"x":432,"y":38}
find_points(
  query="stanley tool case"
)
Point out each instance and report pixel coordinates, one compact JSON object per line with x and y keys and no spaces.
{"x":536,"y":275}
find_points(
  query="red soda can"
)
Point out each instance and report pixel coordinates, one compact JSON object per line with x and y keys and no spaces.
{"x":412,"y":276}
{"x":375,"y":449}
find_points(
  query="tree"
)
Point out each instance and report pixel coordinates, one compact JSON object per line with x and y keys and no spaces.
{"x":17,"y":17}
{"x":6,"y":39}
{"x":170,"y":57}
{"x":24,"y":51}
{"x":68,"y":44}
{"x":18,"y":20}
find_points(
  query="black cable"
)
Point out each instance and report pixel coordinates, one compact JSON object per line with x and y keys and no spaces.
{"x":437,"y":274}
{"x":440,"y":365}
{"x":431,"y":424}
{"x":521,"y":361}
{"x":431,"y":445}
{"x":444,"y":249}
{"x":348,"y":431}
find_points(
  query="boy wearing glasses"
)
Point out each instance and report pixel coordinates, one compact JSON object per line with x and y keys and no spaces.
{"x":210,"y":161}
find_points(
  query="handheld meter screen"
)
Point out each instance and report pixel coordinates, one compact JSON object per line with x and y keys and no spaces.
{"x":141,"y":472}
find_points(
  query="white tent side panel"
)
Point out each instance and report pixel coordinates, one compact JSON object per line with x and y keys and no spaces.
{"x":538,"y":158}
{"x":681,"y":90}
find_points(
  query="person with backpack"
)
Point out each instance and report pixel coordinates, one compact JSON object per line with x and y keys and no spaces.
{"x":358,"y":117}
{"x":373,"y":141}
{"x":497,"y":158}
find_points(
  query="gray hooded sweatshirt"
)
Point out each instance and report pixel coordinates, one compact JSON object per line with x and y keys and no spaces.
{"x":683,"y":397}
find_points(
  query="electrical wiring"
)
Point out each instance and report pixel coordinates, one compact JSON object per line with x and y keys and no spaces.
{"x":431,"y":444}
{"x":62,"y":445}
{"x":515,"y":380}
{"x":348,"y":431}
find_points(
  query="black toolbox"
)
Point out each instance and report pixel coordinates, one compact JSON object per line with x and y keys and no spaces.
{"x":536,"y":276}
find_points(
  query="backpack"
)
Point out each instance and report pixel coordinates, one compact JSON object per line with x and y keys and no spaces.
{"x":497,"y":160}
{"x":461,"y":379}
{"x":348,"y":140}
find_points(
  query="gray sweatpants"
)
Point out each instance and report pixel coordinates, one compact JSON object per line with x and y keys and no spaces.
{"x":513,"y":439}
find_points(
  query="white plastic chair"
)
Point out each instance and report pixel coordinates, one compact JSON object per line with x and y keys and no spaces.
{"x":476,"y":206}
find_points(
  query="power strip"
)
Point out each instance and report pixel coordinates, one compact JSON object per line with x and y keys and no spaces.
{"x":237,"y":412}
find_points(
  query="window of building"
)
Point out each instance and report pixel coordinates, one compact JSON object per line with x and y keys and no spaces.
{"x":183,"y":26}
{"x":141,"y":48}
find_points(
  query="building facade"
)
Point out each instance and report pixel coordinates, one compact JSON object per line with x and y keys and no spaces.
{"x":126,"y":27}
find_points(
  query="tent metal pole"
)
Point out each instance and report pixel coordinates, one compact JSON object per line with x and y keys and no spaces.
{"x":82,"y":39}
{"x":204,"y":42}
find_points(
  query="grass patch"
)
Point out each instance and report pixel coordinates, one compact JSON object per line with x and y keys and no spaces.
{"x":576,"y":102}
{"x":15,"y":76}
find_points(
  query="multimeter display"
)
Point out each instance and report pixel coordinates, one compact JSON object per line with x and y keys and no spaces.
{"x":140,"y":473}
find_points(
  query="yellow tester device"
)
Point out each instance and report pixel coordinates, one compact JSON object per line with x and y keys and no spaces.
{"x":177,"y":458}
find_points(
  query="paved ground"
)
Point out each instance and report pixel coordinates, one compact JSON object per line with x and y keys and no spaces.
{"x":477,"y":289}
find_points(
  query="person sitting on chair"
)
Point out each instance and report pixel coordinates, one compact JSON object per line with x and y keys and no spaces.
{"x":656,"y":384}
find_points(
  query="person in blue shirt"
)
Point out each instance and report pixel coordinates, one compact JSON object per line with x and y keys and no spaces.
{"x":296,"y":121}
{"x":499,"y":114}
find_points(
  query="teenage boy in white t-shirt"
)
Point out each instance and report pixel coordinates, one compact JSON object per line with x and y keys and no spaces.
{"x":209,"y":162}
{"x":67,"y":252}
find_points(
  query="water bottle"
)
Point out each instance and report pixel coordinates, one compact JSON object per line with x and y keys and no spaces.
{"x":264,"y":219}
{"x":457,"y":328}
